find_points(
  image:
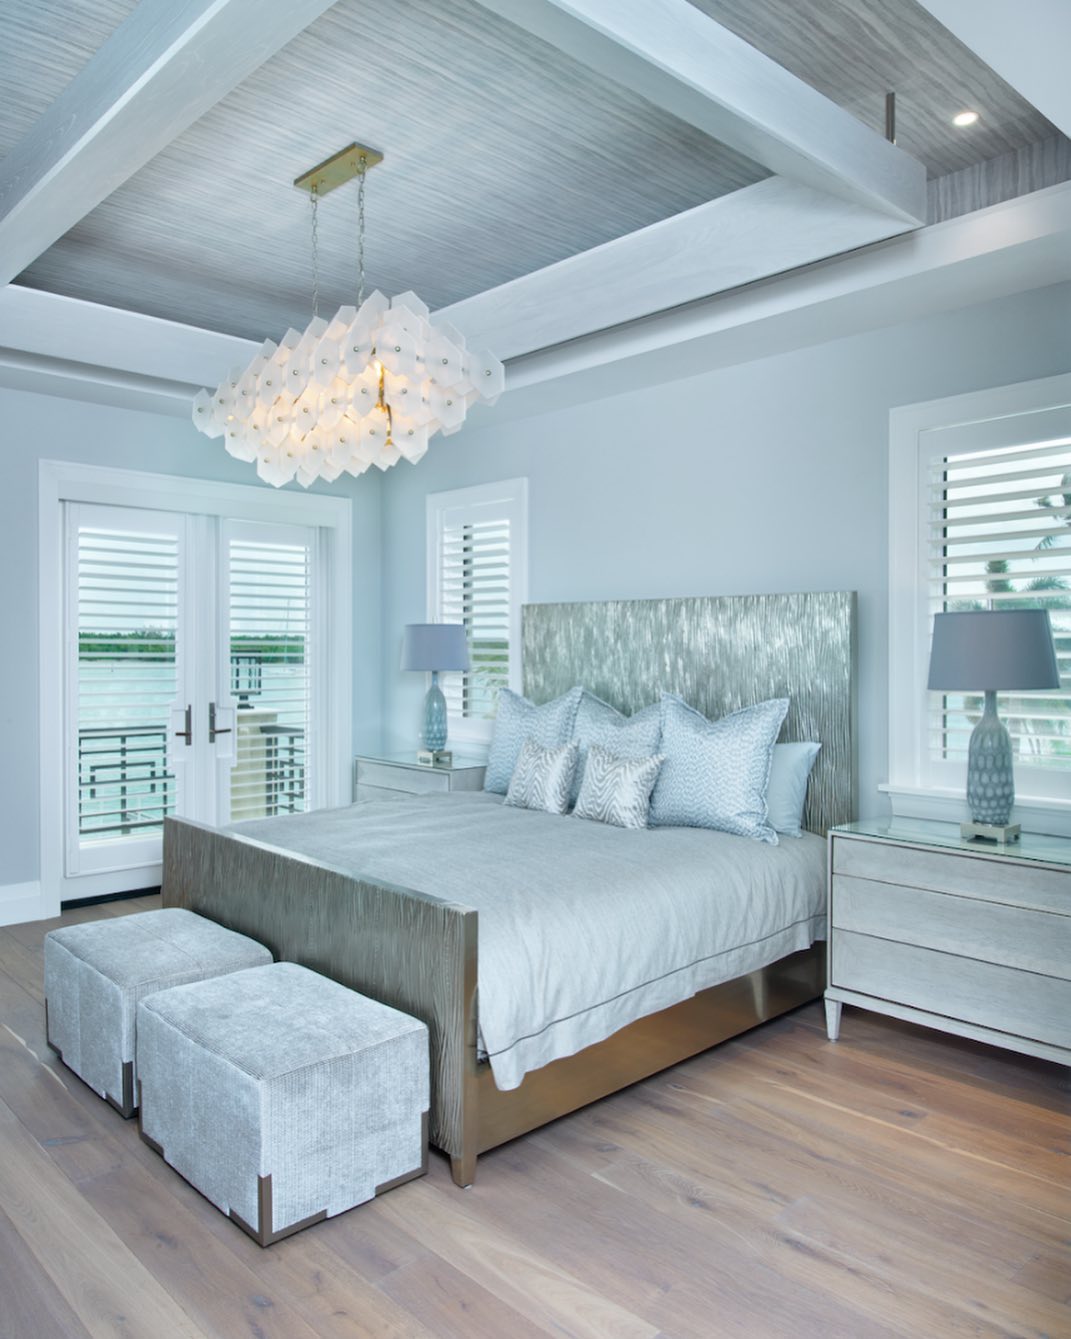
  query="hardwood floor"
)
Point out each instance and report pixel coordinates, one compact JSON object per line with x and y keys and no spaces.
{"x":898,"y":1183}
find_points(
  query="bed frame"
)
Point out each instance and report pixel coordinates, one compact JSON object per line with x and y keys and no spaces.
{"x":417,"y":952}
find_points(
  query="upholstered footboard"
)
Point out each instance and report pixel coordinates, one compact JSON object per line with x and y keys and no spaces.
{"x":404,"y":948}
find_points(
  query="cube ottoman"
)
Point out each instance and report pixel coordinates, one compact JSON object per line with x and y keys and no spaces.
{"x":96,"y":973}
{"x":282,"y":1096}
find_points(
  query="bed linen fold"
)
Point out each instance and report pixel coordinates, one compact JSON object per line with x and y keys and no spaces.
{"x":583,"y":927}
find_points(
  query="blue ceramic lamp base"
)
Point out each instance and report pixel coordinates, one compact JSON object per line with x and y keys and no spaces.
{"x":433,"y":735}
{"x":990,"y":781}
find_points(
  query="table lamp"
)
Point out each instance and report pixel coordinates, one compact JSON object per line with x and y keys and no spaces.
{"x":438,"y":647}
{"x":986,"y":651}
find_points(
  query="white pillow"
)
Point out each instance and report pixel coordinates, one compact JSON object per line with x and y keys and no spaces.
{"x":543,"y":778}
{"x":786,"y":792}
{"x":617,"y":790}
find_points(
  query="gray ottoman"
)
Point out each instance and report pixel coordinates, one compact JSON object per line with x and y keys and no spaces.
{"x":95,"y":974}
{"x":283,"y":1097}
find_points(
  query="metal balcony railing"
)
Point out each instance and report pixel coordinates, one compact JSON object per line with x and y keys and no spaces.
{"x":123,"y":782}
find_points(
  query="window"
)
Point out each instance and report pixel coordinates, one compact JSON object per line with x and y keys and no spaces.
{"x":980,"y":518}
{"x":477,"y":575}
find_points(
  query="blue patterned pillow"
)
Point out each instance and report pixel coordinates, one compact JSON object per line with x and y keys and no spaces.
{"x":518,"y":719}
{"x":623,"y":736}
{"x":716,"y":772}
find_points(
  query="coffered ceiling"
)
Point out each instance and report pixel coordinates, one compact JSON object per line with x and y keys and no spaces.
{"x":521,"y":138}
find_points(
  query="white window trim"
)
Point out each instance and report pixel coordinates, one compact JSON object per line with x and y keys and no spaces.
{"x":909,"y":631}
{"x":512,"y":494}
{"x":62,"y":481}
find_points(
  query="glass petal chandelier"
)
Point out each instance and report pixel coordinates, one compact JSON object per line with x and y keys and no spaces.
{"x":369,"y":387}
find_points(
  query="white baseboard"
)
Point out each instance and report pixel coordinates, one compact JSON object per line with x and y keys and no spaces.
{"x":21,"y":902}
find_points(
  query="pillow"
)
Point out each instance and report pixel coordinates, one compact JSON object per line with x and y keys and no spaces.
{"x":616,"y":790}
{"x":623,"y":736}
{"x":787,"y":791}
{"x":716,"y":772}
{"x":543,"y":777}
{"x":517,"y":719}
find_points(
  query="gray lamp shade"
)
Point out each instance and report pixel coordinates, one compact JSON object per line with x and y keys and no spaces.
{"x":435,"y":646}
{"x":990,"y":649}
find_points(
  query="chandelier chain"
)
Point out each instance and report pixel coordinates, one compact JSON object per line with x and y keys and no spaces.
{"x":361,"y":175}
{"x":314,"y":199}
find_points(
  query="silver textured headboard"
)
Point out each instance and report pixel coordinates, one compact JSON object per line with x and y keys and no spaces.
{"x":720,"y":653}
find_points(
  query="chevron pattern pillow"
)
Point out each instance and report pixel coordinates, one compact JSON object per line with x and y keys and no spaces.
{"x":716,"y":772}
{"x":617,"y":790}
{"x":517,"y":720}
{"x":543,"y":777}
{"x":623,"y":736}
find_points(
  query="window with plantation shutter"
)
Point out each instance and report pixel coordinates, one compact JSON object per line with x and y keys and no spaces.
{"x":1000,"y":538}
{"x":980,"y":518}
{"x":477,"y":552}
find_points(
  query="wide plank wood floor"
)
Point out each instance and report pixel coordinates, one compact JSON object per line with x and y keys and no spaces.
{"x":898,"y":1183}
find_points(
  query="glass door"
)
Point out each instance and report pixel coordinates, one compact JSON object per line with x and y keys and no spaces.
{"x":191,"y":685}
{"x":268,"y":600}
{"x":128,"y":691}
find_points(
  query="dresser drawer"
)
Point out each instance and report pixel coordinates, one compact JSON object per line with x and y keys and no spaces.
{"x":1003,"y":998}
{"x":946,"y":871}
{"x":409,"y":779}
{"x":1037,"y":941}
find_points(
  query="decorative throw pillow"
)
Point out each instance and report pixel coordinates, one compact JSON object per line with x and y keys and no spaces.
{"x":617,"y":790}
{"x":623,"y":736}
{"x":543,"y":777}
{"x":787,"y":792}
{"x":517,"y":720}
{"x":716,"y":772}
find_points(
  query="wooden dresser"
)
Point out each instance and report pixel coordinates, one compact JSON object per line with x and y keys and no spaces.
{"x":966,"y":937}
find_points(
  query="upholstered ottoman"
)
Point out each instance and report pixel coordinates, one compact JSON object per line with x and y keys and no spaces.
{"x":283,"y":1097}
{"x":95,"y":974}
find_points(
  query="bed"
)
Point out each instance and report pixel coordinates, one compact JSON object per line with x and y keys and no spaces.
{"x":301,"y":887}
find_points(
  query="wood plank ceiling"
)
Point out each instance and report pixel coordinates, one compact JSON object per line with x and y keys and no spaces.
{"x":503,"y":155}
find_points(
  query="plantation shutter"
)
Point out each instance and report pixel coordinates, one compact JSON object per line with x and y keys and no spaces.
{"x":123,"y":595}
{"x":477,"y":576}
{"x":999,"y":537}
{"x":269,"y":612}
{"x":475,"y":590}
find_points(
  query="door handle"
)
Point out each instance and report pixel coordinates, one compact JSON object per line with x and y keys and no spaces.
{"x":213,"y":730}
{"x":187,"y":734}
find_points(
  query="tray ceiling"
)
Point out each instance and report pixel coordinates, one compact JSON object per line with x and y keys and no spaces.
{"x":504,"y":154}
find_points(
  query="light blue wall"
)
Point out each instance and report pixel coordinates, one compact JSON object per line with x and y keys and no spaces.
{"x":770,"y":476}
{"x":35,"y":427}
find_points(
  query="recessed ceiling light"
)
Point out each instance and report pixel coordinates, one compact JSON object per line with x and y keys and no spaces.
{"x":965,"y":118}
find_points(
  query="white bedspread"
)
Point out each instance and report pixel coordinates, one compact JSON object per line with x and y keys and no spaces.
{"x":583,"y":928}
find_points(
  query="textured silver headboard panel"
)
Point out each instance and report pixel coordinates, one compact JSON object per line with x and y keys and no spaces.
{"x":720,"y":653}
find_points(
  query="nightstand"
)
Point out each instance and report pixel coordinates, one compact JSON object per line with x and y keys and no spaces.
{"x":963,"y":936}
{"x":381,"y":776}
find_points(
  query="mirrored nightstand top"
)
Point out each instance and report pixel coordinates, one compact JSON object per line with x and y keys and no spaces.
{"x":927,"y":832}
{"x":409,"y":759}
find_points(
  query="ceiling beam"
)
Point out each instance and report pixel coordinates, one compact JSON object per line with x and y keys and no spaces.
{"x":765,"y":229}
{"x":161,"y":69}
{"x":1028,"y":44}
{"x":682,"y":61}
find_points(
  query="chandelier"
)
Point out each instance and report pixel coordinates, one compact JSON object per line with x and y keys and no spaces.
{"x":369,"y":387}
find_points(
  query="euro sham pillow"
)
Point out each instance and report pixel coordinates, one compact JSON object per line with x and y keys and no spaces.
{"x":550,"y":726}
{"x":790,"y":770}
{"x":617,"y":790}
{"x":715,"y":773}
{"x":624,"y":736}
{"x":543,"y":777}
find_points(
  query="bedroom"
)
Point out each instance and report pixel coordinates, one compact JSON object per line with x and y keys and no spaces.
{"x":744,"y":447}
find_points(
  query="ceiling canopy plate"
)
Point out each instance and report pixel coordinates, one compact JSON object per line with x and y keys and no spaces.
{"x":338,"y":169}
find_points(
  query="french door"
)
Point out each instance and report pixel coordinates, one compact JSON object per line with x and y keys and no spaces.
{"x":196,"y":680}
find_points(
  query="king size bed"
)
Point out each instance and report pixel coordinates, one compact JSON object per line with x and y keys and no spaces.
{"x":556,"y":960}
